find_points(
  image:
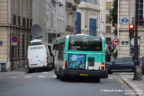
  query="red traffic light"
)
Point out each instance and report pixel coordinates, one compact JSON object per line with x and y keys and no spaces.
{"x":131,"y":26}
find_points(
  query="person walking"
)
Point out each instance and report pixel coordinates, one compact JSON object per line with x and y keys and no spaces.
{"x":115,"y":53}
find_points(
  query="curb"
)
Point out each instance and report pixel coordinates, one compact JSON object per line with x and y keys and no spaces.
{"x":133,"y":87}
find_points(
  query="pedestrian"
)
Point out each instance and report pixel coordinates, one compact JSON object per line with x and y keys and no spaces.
{"x":115,"y":53}
{"x":108,"y":57}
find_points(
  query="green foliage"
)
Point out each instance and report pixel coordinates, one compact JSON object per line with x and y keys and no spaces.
{"x":115,"y":31}
{"x":114,"y":12}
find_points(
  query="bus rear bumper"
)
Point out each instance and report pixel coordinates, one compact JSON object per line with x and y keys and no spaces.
{"x":85,"y":73}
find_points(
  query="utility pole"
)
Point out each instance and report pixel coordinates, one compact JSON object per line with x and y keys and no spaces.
{"x":136,"y":49}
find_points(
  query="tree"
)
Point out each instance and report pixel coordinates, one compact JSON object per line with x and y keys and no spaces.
{"x":114,"y":15}
{"x":114,"y":12}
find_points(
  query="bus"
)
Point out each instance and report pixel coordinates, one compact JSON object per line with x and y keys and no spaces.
{"x":80,"y":55}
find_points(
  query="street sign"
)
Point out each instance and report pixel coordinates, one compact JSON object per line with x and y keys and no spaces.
{"x":116,"y":41}
{"x":124,"y":42}
{"x":132,"y":41}
{"x":15,"y":39}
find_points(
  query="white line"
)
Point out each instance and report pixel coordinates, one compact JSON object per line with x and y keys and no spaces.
{"x":110,"y":78}
{"x":27,"y":77}
{"x":13,"y":77}
{"x":45,"y":72}
{"x":54,"y":76}
{"x":41,"y":76}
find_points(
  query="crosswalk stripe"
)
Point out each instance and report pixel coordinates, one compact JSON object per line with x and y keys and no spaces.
{"x":41,"y":76}
{"x":54,"y":76}
{"x":27,"y":77}
{"x":13,"y":77}
{"x":110,"y":78}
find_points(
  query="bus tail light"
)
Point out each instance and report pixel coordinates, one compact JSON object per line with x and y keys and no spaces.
{"x":102,"y":66}
{"x":66,"y":63}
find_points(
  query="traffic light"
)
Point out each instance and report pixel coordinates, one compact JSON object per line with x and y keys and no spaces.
{"x":131,"y":31}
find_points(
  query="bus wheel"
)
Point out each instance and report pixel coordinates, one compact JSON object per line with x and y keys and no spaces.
{"x":109,"y":71}
{"x":57,"y":76}
{"x":62,"y":78}
{"x":97,"y":79}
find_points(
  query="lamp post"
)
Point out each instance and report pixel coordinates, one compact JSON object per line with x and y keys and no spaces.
{"x":136,"y":57}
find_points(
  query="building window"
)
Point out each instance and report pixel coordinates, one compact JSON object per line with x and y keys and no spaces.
{"x":108,"y":40}
{"x":108,"y":18}
{"x":50,"y":38}
{"x":140,"y":12}
{"x":108,"y":5}
{"x":24,"y":22}
{"x":14,"y":19}
{"x":108,"y":29}
{"x":19,"y":21}
{"x":90,"y":1}
{"x":28,"y":23}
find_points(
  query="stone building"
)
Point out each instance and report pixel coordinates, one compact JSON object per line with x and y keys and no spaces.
{"x":15,"y":21}
{"x":71,"y":16}
{"x":109,"y":33}
{"x":92,"y":17}
{"x":126,"y":14}
{"x":50,"y":15}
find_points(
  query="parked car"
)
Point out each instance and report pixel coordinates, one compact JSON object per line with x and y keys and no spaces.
{"x":124,"y":64}
{"x":39,"y":56}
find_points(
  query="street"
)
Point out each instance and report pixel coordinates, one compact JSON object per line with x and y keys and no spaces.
{"x":46,"y":84}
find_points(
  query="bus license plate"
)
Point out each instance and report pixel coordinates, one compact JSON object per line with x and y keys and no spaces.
{"x":83,"y":74}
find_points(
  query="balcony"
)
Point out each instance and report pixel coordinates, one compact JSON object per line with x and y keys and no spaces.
{"x":77,"y":1}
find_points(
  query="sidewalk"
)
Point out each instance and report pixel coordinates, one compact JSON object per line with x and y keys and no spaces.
{"x":137,"y":86}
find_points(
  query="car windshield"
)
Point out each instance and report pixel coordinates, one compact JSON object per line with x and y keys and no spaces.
{"x":85,"y":43}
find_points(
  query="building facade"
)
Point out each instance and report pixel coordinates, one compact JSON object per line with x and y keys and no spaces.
{"x":71,"y":16}
{"x":50,"y":15}
{"x":92,"y":18}
{"x":15,"y":23}
{"x":126,"y":14}
{"x":109,"y":33}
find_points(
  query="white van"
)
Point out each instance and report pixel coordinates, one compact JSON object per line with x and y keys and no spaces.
{"x":39,"y":56}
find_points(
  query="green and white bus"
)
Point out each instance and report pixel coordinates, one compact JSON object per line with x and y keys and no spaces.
{"x":80,"y":55}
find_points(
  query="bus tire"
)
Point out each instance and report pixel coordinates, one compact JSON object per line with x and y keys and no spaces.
{"x":62,"y":78}
{"x":109,"y":71}
{"x":97,"y":79}
{"x":57,"y":76}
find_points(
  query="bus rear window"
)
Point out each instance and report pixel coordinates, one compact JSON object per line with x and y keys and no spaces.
{"x":85,"y":43}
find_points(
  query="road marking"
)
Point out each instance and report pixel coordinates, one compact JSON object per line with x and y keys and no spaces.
{"x":54,"y":76}
{"x":45,"y":72}
{"x":41,"y":76}
{"x":110,"y":78}
{"x":13,"y":77}
{"x":26,"y":77}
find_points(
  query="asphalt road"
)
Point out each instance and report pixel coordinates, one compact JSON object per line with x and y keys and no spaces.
{"x":46,"y":84}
